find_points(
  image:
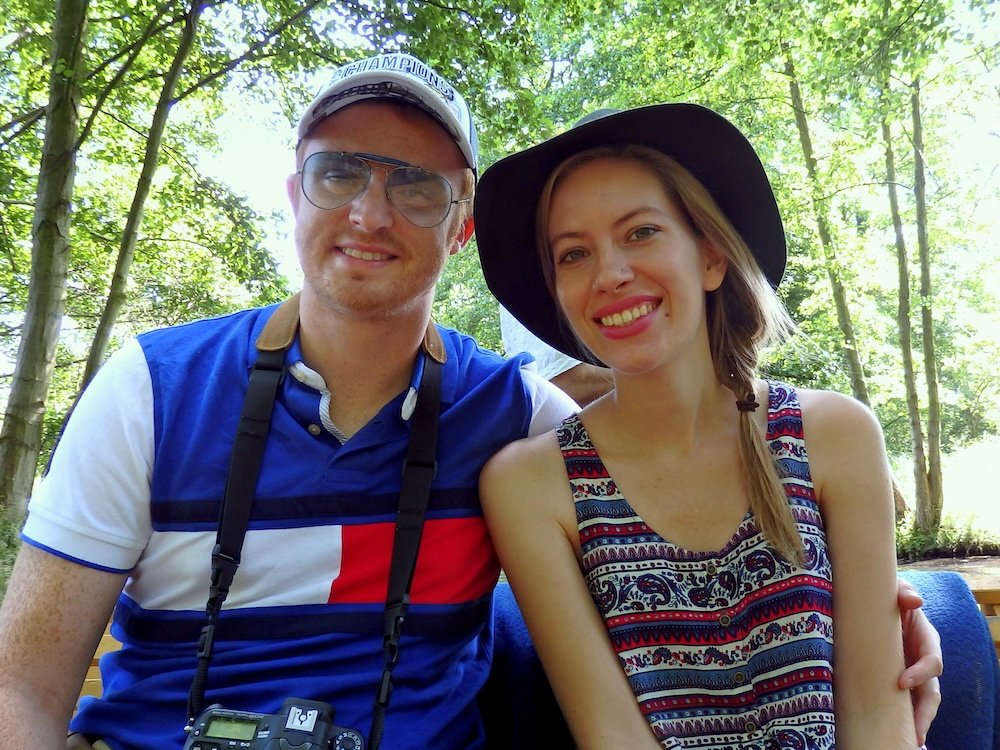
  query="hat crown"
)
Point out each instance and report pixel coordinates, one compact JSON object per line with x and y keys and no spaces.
{"x":597,"y":114}
{"x":702,"y":141}
{"x":401,"y":63}
{"x":397,"y":76}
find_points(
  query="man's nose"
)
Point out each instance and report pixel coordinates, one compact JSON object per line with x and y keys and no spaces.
{"x":371,"y":209}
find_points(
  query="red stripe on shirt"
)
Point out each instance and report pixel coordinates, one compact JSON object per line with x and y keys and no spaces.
{"x":456,"y":563}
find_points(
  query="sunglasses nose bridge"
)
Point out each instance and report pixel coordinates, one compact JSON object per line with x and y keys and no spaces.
{"x":387,"y":171}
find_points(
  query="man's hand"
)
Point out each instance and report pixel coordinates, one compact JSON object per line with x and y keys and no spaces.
{"x":922,"y":647}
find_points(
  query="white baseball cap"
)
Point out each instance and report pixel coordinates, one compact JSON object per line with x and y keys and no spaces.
{"x":397,"y":76}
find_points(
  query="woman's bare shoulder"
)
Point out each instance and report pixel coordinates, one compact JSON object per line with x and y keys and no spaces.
{"x":840,"y":432}
{"x":832,"y":410}
{"x":528,"y":468}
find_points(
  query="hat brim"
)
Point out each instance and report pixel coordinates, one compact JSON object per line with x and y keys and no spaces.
{"x":702,"y":141}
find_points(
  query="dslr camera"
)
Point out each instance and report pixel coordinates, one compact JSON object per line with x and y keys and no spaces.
{"x":299,"y":725}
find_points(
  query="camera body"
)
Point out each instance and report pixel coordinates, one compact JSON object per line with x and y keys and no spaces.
{"x":299,"y":725}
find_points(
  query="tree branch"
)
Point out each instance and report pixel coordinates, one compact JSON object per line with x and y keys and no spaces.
{"x":252,"y":50}
{"x":134,"y":49}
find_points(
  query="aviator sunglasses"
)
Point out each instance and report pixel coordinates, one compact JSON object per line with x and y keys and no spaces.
{"x":331,"y":179}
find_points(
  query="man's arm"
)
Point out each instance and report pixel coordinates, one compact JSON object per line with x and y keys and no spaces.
{"x":584,"y":383}
{"x":922,"y":648}
{"x":93,"y":506}
{"x":581,"y":381}
{"x":52,"y":618}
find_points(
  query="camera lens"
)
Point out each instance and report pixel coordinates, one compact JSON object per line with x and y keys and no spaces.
{"x":348,"y":741}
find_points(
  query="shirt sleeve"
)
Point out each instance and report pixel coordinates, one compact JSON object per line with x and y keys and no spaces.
{"x":93,"y":505}
{"x":550,"y":405}
{"x":516,"y":338}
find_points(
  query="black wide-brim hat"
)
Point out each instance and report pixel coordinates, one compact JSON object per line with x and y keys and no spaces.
{"x":699,"y":139}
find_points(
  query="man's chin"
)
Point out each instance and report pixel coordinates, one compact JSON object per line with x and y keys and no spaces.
{"x":363,"y":302}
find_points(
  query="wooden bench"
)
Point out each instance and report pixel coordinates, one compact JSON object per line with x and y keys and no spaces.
{"x":989,"y":603}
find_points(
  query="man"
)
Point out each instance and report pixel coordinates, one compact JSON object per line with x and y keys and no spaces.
{"x":133,"y":494}
{"x":127,"y":517}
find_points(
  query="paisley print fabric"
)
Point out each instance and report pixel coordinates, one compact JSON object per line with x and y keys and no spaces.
{"x":723,"y":650}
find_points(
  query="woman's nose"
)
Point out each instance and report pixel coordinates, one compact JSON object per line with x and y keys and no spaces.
{"x":613,"y":269}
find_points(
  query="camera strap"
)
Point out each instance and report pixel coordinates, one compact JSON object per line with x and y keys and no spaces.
{"x":418,"y":473}
{"x":241,"y":482}
{"x":419,"y":470}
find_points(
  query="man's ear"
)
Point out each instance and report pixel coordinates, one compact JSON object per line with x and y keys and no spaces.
{"x":715,"y":265}
{"x":463,"y":235}
{"x":292,"y":191}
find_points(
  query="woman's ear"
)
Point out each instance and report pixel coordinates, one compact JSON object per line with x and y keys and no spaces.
{"x":714,"y":266}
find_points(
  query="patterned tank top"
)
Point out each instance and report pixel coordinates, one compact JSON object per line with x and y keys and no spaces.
{"x":726,"y":649}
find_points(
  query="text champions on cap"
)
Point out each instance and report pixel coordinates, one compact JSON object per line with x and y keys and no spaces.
{"x":400,"y":63}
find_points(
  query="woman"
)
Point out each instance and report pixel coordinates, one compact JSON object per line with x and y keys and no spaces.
{"x":708,"y":510}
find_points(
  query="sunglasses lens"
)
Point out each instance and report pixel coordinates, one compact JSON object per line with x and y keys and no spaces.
{"x":423,"y":197}
{"x":331,"y":180}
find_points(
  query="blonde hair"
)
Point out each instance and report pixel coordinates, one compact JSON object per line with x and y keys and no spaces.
{"x":744,"y":316}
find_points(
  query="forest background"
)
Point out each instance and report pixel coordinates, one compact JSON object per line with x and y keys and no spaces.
{"x":143,"y":148}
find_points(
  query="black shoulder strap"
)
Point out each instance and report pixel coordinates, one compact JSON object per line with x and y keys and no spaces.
{"x":248,"y":452}
{"x":241,"y":483}
{"x":418,"y":474}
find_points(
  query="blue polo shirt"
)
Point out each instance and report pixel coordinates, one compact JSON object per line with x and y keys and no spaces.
{"x":304,"y":616}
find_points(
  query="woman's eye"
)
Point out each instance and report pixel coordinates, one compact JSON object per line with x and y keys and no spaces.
{"x":643,"y":233}
{"x":571,"y":256}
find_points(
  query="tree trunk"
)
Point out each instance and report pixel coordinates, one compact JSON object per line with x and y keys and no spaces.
{"x":126,"y":250}
{"x":921,"y":489}
{"x":20,"y":440}
{"x":858,"y":385}
{"x":929,"y":516}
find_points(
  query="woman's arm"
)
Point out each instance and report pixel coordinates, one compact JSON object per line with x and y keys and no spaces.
{"x":851,"y":476}
{"x":529,"y":509}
